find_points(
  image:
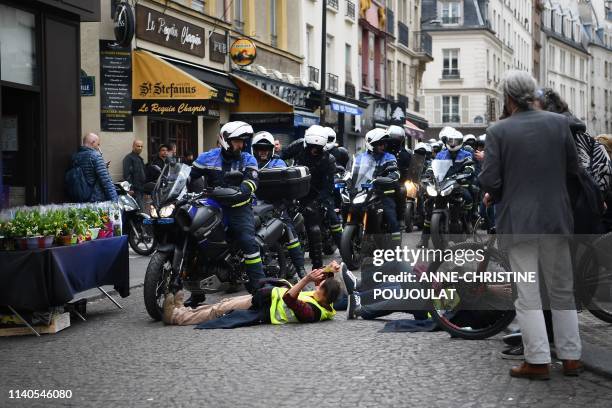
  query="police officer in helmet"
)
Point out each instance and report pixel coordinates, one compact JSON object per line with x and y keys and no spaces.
{"x":340,"y":153}
{"x":397,"y":147}
{"x":214,"y":165}
{"x":263,"y":149}
{"x":310,"y":152}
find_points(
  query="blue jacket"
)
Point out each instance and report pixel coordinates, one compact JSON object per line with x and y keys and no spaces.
{"x":460,"y":155}
{"x":275,"y":162}
{"x":96,"y":173}
{"x":386,"y":164}
{"x":213,"y":166}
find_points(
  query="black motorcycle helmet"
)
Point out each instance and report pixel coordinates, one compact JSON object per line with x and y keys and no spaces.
{"x":397,"y":139}
{"x":342,"y":156}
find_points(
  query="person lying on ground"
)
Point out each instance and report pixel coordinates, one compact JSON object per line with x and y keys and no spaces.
{"x":281,"y":302}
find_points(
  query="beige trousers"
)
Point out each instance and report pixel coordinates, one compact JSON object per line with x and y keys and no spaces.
{"x":184,"y":316}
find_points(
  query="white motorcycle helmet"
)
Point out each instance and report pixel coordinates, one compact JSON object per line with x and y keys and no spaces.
{"x":236,"y":130}
{"x":482,"y":138}
{"x":262,"y":141}
{"x":422,"y":148}
{"x":452,"y":138}
{"x":468,"y":138}
{"x":376,"y":136}
{"x":331,"y":138}
{"x":315,"y":136}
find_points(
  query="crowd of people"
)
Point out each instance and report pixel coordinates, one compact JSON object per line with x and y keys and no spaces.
{"x":523,"y":176}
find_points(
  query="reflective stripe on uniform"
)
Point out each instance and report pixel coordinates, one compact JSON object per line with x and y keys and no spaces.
{"x":336,"y":228}
{"x":396,"y":236}
{"x":242,"y":203}
{"x":389,"y":192}
{"x":427,"y":223}
{"x":293,"y":245}
{"x":252,"y":261}
{"x":251,"y":185}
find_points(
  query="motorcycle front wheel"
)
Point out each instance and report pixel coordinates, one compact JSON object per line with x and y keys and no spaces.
{"x":141,"y":238}
{"x":439,"y":230}
{"x":350,"y":246}
{"x":409,"y":217}
{"x":157,"y":279}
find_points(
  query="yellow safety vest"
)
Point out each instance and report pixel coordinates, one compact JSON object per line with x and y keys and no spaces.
{"x":280,"y":313}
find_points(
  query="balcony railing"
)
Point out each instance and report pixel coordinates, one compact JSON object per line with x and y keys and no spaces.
{"x":422,"y":42}
{"x":403,"y":33}
{"x":313,"y":74}
{"x":332,"y":83}
{"x":349,"y":90}
{"x":450,"y":20}
{"x":446,"y":118}
{"x":332,"y":4}
{"x":390,"y":22}
{"x":450,"y":74}
{"x":350,"y":9}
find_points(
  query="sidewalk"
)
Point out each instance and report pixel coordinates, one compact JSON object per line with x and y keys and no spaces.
{"x":596,"y":344}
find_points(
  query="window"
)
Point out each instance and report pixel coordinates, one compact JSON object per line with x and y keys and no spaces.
{"x":347,"y":63}
{"x":562,"y":61}
{"x":197,"y":5}
{"x":488,"y":72}
{"x":450,"y":109}
{"x":582,"y":69}
{"x":239,"y":15}
{"x":273,"y":23}
{"x":563,"y":93}
{"x":402,"y":11}
{"x":572,"y":101}
{"x":573,"y":65}
{"x":551,"y":55}
{"x":329,"y":55}
{"x":451,"y":64}
{"x":220,"y":10}
{"x":309,"y":44}
{"x":450,"y":12}
{"x":18,"y":46}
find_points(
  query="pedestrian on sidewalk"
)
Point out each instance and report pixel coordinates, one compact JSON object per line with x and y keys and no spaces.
{"x":159,"y":160}
{"x":533,"y":215}
{"x":276,"y":301}
{"x":92,"y":174}
{"x":134,"y":171}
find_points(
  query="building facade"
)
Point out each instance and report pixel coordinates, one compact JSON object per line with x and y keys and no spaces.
{"x":474,"y":43}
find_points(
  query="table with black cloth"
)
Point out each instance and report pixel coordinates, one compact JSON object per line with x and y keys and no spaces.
{"x":37,"y":279}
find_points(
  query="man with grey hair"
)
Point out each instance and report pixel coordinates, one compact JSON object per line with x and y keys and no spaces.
{"x":534,"y":216}
{"x":94,"y":171}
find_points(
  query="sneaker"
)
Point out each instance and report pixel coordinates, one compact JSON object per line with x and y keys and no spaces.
{"x":350,"y":281}
{"x":513,"y":339}
{"x":354,"y":307}
{"x":513,"y":353}
{"x":168,"y":308}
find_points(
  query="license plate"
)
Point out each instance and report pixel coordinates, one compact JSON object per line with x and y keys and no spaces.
{"x":150,"y":221}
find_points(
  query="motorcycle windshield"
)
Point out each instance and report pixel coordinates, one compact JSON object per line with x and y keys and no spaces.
{"x":414,"y":171}
{"x":363,"y":171}
{"x":171,"y":183}
{"x":440,"y":168}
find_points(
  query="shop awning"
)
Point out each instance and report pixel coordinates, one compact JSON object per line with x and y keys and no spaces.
{"x":260,"y":107}
{"x":159,"y":88}
{"x":226,"y":90}
{"x":413,"y":130}
{"x":344,"y":107}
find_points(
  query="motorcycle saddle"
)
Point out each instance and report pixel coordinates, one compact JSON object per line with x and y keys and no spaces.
{"x":262,"y":209}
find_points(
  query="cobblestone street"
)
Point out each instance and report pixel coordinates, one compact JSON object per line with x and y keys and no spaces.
{"x":121,"y":358}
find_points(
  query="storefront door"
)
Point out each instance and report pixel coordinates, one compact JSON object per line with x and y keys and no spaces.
{"x":180,"y":131}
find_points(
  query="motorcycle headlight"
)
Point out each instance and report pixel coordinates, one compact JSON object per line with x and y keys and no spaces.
{"x":153,"y":212}
{"x":360,"y":199}
{"x":446,"y":191}
{"x":127,"y":203}
{"x":431,"y":191}
{"x":166,"y":211}
{"x":125,"y":185}
{"x":411,"y":189}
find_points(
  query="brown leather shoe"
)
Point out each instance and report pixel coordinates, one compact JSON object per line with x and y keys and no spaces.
{"x":572,"y":368}
{"x":531,"y":371}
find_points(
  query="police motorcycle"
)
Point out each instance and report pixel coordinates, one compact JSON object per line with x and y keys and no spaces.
{"x":365,"y":214}
{"x":193,"y":252}
{"x":342,"y":197}
{"x":444,"y":188}
{"x":140,"y":235}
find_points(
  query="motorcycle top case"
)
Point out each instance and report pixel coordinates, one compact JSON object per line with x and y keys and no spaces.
{"x":283,"y":183}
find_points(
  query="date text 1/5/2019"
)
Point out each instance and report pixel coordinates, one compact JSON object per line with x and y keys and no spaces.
{"x":40,"y":394}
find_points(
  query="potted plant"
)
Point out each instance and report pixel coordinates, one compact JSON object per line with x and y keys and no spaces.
{"x":26,"y":229}
{"x":7,"y":234}
{"x":94,"y":222}
{"x":107,"y":225}
{"x":66,"y":234}
{"x":50,"y":227}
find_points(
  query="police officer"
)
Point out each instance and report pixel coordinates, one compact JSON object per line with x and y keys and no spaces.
{"x":213,"y":165}
{"x":453,"y":141}
{"x":263,"y":150}
{"x":310,"y":152}
{"x":469,"y":143}
{"x":385,"y":166}
{"x":340,"y":153}
{"x":436,"y":147}
{"x":397,"y":147}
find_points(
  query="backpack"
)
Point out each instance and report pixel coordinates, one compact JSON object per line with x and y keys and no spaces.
{"x":587,"y":204}
{"x":77,"y":187}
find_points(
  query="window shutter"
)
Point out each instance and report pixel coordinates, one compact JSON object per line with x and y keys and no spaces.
{"x":437,"y":109}
{"x":465,"y":109}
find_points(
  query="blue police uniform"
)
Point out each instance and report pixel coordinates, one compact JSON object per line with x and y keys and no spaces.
{"x":385,"y":166}
{"x":213,"y":165}
{"x":293,"y":241}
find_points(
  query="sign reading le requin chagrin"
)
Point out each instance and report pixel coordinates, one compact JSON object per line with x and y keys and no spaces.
{"x":159,"y":88}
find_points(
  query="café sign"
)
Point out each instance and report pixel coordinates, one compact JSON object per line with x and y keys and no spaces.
{"x":170,"y":32}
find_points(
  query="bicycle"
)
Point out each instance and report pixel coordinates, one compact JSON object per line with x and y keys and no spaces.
{"x":593,"y":291}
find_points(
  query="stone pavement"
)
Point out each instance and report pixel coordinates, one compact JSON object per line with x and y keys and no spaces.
{"x":120,"y":358}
